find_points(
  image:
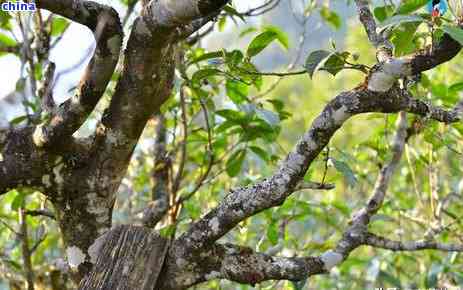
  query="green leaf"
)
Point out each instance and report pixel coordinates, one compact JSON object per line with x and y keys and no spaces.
{"x":18,"y":120}
{"x":234,"y":58}
{"x":272,"y":233}
{"x":346,"y":171}
{"x":383,"y":12}
{"x":268,"y":116}
{"x":400,"y":19}
{"x":203,"y":74}
{"x":20,"y":84}
{"x":232,"y":11}
{"x":260,"y":42}
{"x":5,"y":20}
{"x":13,"y":264}
{"x":315,"y":60}
{"x":403,"y":38}
{"x":207,"y":56}
{"x":409,"y":6}
{"x":235,"y":162}
{"x":221,"y":23}
{"x":260,"y":152}
{"x":281,"y":36}
{"x":193,"y":210}
{"x":58,"y":26}
{"x":330,"y":17}
{"x":237,"y":117}
{"x":334,"y":64}
{"x":456,"y":87}
{"x":18,"y":201}
{"x":247,"y":31}
{"x":455,"y":32}
{"x":5,"y":40}
{"x":167,"y":231}
{"x":237,"y":91}
{"x":389,"y":278}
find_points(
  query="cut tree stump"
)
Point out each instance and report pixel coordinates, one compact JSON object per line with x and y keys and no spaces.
{"x":130,"y":258}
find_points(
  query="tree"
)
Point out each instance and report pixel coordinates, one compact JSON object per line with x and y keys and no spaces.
{"x":80,"y":176}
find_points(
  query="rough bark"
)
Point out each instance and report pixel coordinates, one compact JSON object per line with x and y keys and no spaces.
{"x":130,"y":258}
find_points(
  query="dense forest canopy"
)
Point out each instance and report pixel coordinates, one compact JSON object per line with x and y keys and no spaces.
{"x":209,"y":144}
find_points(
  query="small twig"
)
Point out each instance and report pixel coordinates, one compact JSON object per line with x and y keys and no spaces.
{"x":9,"y":227}
{"x":262,"y":9}
{"x":209,"y":154}
{"x":45,"y":92}
{"x":327,"y":159}
{"x":183,"y":154}
{"x":37,"y":244}
{"x":26,"y":251}
{"x":159,"y":206}
{"x":41,"y":212}
{"x":384,"y":243}
{"x":314,"y":185}
{"x":179,"y":175}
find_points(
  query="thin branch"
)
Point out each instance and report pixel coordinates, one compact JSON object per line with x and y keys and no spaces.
{"x":10,"y":49}
{"x":41,"y":212}
{"x":380,"y":42}
{"x":26,"y":251}
{"x":262,"y":9}
{"x":200,"y":35}
{"x":181,"y":166}
{"x":157,"y":209}
{"x":9,"y":227}
{"x":306,"y":185}
{"x":45,"y":92}
{"x":385,"y":243}
{"x":209,"y":155}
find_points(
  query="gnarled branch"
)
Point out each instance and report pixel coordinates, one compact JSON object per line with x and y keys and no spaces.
{"x":242,"y":203}
{"x":107,"y":30}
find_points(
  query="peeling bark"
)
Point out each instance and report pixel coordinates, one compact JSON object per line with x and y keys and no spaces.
{"x":129,"y":258}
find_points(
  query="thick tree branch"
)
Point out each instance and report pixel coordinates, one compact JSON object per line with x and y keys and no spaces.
{"x":20,"y":164}
{"x":243,"y":265}
{"x":107,"y":30}
{"x":147,"y":77}
{"x":171,"y":13}
{"x":146,"y":81}
{"x":242,"y":203}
